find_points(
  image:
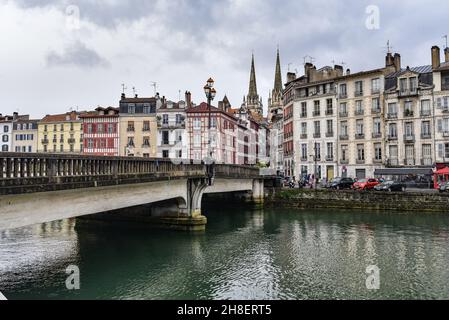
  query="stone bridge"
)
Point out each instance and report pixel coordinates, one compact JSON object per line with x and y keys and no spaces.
{"x":38,"y":188}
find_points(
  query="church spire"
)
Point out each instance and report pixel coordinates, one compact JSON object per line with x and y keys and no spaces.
{"x":252,"y":93}
{"x":278,"y":74}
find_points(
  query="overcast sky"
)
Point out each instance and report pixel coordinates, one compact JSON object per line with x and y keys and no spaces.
{"x":51,"y":63}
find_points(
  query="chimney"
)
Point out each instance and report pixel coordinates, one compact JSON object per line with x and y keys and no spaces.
{"x":188,"y":99}
{"x":397,"y":62}
{"x":123,"y":96}
{"x":15,"y":115}
{"x":389,"y":60}
{"x":136,"y":96}
{"x":339,"y":70}
{"x":291,"y":76}
{"x":307,"y":67}
{"x":435,"y":57}
{"x":446,"y":54}
{"x":221,"y":105}
{"x":348,"y":72}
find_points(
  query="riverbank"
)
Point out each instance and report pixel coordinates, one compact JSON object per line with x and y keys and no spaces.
{"x":329,"y":199}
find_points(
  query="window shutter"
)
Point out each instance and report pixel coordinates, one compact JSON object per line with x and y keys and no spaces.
{"x":440,"y":125}
{"x":440,"y":150}
{"x":446,"y":102}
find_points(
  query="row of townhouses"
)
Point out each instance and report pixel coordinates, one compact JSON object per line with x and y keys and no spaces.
{"x":150,"y":127}
{"x":338,"y":123}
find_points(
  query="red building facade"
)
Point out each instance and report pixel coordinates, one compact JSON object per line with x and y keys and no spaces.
{"x":101,"y":132}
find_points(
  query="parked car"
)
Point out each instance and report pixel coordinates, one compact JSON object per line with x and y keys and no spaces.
{"x":365,"y":184}
{"x":289,"y":182}
{"x":444,"y":187}
{"x":342,"y":183}
{"x":391,"y":186}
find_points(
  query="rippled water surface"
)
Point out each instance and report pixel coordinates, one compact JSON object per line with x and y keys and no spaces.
{"x":244,"y":254}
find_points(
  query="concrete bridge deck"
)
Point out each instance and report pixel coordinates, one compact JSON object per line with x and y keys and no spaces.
{"x":37,"y":188}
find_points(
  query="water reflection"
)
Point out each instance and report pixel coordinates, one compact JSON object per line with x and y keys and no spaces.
{"x":245,"y":254}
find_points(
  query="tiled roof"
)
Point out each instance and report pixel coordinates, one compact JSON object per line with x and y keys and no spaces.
{"x":72,"y":116}
{"x":96,"y":113}
{"x":138,"y":100}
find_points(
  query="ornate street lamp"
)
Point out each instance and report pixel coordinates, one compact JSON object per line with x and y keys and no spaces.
{"x":210,"y":92}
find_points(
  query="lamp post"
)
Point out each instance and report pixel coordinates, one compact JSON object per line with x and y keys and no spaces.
{"x":210,"y":92}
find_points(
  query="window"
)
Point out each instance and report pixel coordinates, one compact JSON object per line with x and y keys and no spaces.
{"x":304,"y":151}
{"x":62,"y":127}
{"x":403,"y":85}
{"x":130,"y":126}
{"x":329,"y":107}
{"x":392,"y":110}
{"x":213,"y":123}
{"x":409,"y":153}
{"x":408,"y":129}
{"x":330,"y":127}
{"x":90,"y":128}
{"x":5,"y":138}
{"x":146,"y":109}
{"x":343,"y":90}
{"x":72,"y":148}
{"x":361,"y":152}
{"x":443,"y":125}
{"x":377,"y":127}
{"x":197,"y":140}
{"x":165,"y":137}
{"x":111,"y":128}
{"x":330,"y":150}
{"x":131,"y":109}
{"x":317,"y":151}
{"x":19,"y":126}
{"x":178,"y":118}
{"x":130,"y":141}
{"x":359,"y":88}
{"x":17,"y":149}
{"x":359,"y":127}
{"x":343,"y":109}
{"x":408,"y":108}
{"x":165,"y":154}
{"x":165,"y":119}
{"x":303,"y":109}
{"x":375,"y":85}
{"x":5,"y":148}
{"x":393,"y":130}
{"x":146,"y":126}
{"x":425,"y":129}
{"x":61,"y":148}
{"x":45,"y":148}
{"x":30,"y":149}
{"x":344,"y":153}
{"x":317,"y":127}
{"x":5,"y":129}
{"x":179,"y":154}
{"x":344,"y":128}
{"x":100,"y":128}
{"x":45,"y":128}
{"x":427,"y":154}
{"x":425,"y":108}
{"x":413,"y":84}
{"x":378,"y":151}
{"x":376,"y":105}
{"x":316,"y":108}
{"x":359,"y":107}
{"x":55,"y":128}
{"x":304,"y":128}
{"x":71,"y":126}
{"x":197,"y":123}
{"x":146,"y":141}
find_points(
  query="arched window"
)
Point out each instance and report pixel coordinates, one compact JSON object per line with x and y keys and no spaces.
{"x":5,"y":138}
{"x":5,"y":148}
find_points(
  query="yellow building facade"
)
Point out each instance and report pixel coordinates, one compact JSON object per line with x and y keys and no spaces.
{"x":61,"y":133}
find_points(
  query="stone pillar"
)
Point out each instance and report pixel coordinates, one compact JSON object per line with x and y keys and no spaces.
{"x":258,"y":192}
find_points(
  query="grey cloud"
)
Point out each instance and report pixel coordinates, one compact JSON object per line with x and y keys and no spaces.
{"x":76,"y":55}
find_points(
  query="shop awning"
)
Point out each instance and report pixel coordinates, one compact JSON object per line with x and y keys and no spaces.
{"x":403,"y":171}
{"x":444,"y":171}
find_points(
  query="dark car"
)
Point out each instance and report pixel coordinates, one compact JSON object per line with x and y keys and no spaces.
{"x":342,"y":183}
{"x":391,"y":186}
{"x":444,"y":187}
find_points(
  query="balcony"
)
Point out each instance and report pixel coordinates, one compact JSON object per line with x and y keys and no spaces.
{"x":316,"y":113}
{"x":72,"y":141}
{"x":303,"y":115}
{"x":427,"y":162}
{"x":343,"y":114}
{"x":131,"y":129}
{"x":409,"y":138}
{"x":393,"y":162}
{"x":317,"y":135}
{"x":344,"y":161}
{"x":377,"y":135}
{"x":145,"y":145}
{"x":360,"y":136}
{"x":375,"y":91}
{"x":409,"y":113}
{"x":329,"y":112}
{"x":377,"y":160}
{"x":445,"y":110}
{"x":358,"y":93}
{"x":409,"y":162}
{"x":392,"y":137}
{"x":329,"y":134}
{"x":376,"y":110}
{"x":55,"y":140}
{"x":392,"y":115}
{"x":44,"y":141}
{"x":303,"y":159}
{"x":329,"y":158}
{"x":408,"y":93}
{"x":359,"y":161}
{"x":445,"y":134}
{"x":175,"y":125}
{"x":426,"y":113}
{"x":303,"y":136}
{"x":359,"y":112}
{"x":426,"y":135}
{"x":344,"y":137}
{"x":343,"y":95}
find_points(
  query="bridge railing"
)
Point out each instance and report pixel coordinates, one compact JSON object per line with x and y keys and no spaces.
{"x":236,"y":171}
{"x":33,"y":165}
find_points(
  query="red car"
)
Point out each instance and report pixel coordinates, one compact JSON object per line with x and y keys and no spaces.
{"x":365,"y":184}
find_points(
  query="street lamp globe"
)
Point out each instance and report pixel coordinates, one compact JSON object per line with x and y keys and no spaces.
{"x":210,"y":82}
{"x":213,"y":93}
{"x":207,"y":90}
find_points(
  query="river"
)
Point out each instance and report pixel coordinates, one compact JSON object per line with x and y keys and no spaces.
{"x":244,"y":254}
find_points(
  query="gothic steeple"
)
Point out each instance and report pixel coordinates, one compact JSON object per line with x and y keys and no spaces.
{"x":253,"y":103}
{"x":278,"y":75}
{"x":275,"y":101}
